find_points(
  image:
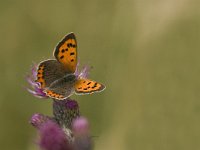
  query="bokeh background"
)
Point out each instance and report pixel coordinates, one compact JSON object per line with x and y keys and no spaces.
{"x":145,"y":51}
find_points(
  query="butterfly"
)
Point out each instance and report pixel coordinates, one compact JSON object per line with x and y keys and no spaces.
{"x":57,"y":76}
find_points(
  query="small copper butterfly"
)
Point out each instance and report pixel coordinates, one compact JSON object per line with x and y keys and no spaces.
{"x":57,"y":76}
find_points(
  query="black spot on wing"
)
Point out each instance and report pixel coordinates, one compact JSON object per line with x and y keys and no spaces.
{"x":72,"y":53}
{"x":67,"y":37}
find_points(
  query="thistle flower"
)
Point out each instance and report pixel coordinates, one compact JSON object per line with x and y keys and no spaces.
{"x":65,"y":111}
{"x":83,"y":73}
{"x":37,"y":120}
{"x":80,"y":126}
{"x":36,"y":90}
{"x":66,"y":130}
{"x":82,"y":139}
{"x":52,"y":137}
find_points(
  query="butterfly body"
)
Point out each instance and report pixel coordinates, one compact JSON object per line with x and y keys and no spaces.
{"x":57,"y":76}
{"x":66,"y":80}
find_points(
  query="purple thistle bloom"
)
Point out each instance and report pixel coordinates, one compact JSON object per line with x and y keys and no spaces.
{"x":36,"y":89}
{"x":65,"y":111}
{"x":82,"y":139}
{"x":80,"y":126}
{"x":52,"y":137}
{"x":83,"y":73}
{"x":37,"y":120}
{"x":66,"y":130}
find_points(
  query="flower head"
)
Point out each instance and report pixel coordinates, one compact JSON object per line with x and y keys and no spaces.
{"x":80,"y":126}
{"x":83,"y":73}
{"x":65,"y":111}
{"x":37,"y":120}
{"x":82,"y":139}
{"x":36,"y":89}
{"x":52,"y":137}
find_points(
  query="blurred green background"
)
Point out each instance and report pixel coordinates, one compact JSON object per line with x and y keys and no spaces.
{"x":145,"y":52}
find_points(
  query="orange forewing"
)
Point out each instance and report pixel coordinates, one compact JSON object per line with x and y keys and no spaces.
{"x":86,"y":86}
{"x":66,"y":52}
